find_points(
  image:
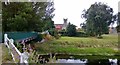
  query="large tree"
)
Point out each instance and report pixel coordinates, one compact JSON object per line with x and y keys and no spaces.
{"x":25,"y":16}
{"x":98,"y":17}
{"x":49,"y":24}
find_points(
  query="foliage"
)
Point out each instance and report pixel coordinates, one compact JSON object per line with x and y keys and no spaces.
{"x":118,"y":28}
{"x":54,"y":33}
{"x":6,"y":56}
{"x":19,"y":46}
{"x":98,"y":17}
{"x":82,"y":34}
{"x":63,"y":33}
{"x":39,"y":37}
{"x":78,"y":34}
{"x":118,"y":22}
{"x":77,"y":45}
{"x":71,"y":30}
{"x":83,"y":26}
{"x":33,"y":58}
{"x":26,"y":16}
{"x":48,"y":25}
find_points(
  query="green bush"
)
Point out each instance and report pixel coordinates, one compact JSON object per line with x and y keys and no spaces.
{"x":39,"y":37}
{"x":82,"y":34}
{"x":79,"y":34}
{"x":54,"y":33}
{"x":63,"y":33}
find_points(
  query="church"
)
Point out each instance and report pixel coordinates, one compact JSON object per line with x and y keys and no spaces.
{"x":62,"y":26}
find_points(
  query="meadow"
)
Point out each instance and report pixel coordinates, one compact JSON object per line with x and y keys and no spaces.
{"x":80,"y":45}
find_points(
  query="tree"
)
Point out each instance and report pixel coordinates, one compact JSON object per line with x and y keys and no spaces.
{"x":26,"y":16}
{"x":118,"y":22}
{"x":83,"y":26}
{"x":49,"y":24}
{"x":71,"y":30}
{"x":98,"y":17}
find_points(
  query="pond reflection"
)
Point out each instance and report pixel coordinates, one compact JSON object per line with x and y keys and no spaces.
{"x":89,"y":62}
{"x":79,"y":60}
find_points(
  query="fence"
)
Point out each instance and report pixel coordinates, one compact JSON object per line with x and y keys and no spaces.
{"x":17,"y":56}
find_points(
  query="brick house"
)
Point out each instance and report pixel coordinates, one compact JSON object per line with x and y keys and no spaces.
{"x":61,"y":26}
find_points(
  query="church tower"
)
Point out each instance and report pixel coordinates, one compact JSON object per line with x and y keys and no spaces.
{"x":65,"y":23}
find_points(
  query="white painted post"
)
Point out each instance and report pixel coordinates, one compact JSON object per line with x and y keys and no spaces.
{"x":23,"y":58}
{"x":5,"y":39}
{"x":11,"y":41}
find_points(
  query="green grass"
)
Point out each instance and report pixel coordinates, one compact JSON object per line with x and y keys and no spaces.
{"x":6,"y":56}
{"x":80,"y":45}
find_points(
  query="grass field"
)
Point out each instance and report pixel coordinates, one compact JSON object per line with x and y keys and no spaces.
{"x":80,"y":45}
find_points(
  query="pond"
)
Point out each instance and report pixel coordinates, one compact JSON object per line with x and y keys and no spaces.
{"x":65,"y":59}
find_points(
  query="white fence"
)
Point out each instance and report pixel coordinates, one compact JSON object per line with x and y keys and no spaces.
{"x":16,"y":54}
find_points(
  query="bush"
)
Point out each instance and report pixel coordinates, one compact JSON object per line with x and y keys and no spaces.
{"x":118,"y":28}
{"x":79,"y":34}
{"x":39,"y":37}
{"x":63,"y":33}
{"x":99,"y":37}
{"x":48,"y":37}
{"x":82,"y":34}
{"x":71,"y":30}
{"x":54,"y":33}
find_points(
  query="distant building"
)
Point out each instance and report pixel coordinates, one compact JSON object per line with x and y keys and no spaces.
{"x":112,"y":30}
{"x":61,"y":26}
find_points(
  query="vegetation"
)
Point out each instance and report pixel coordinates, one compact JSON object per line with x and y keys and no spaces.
{"x":118,"y":22}
{"x":6,"y":56}
{"x":75,"y":45}
{"x":71,"y":30}
{"x":26,"y":16}
{"x":98,"y":17}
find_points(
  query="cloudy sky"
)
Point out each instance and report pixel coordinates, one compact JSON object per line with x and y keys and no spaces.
{"x":72,"y":9}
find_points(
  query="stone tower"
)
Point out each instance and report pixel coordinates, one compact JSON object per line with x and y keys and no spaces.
{"x":65,"y":23}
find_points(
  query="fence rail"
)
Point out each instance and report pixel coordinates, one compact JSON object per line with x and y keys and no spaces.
{"x":17,"y":56}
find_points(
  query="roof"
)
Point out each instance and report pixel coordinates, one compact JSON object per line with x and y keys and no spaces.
{"x":20,"y":36}
{"x":58,"y":26}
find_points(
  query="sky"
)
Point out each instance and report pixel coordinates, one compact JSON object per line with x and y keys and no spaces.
{"x":72,"y":9}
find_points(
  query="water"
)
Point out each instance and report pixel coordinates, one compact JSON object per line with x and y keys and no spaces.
{"x":88,"y":62}
{"x":80,"y":60}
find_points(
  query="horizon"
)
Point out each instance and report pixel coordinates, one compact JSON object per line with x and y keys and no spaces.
{"x":73,"y":12}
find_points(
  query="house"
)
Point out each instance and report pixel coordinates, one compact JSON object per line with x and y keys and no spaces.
{"x":61,"y":26}
{"x":112,"y":30}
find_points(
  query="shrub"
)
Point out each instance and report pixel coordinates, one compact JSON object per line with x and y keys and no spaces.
{"x":71,"y":30}
{"x":99,"y":37}
{"x":39,"y":37}
{"x":63,"y":33}
{"x":54,"y":33}
{"x":82,"y":34}
{"x":48,"y":37}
